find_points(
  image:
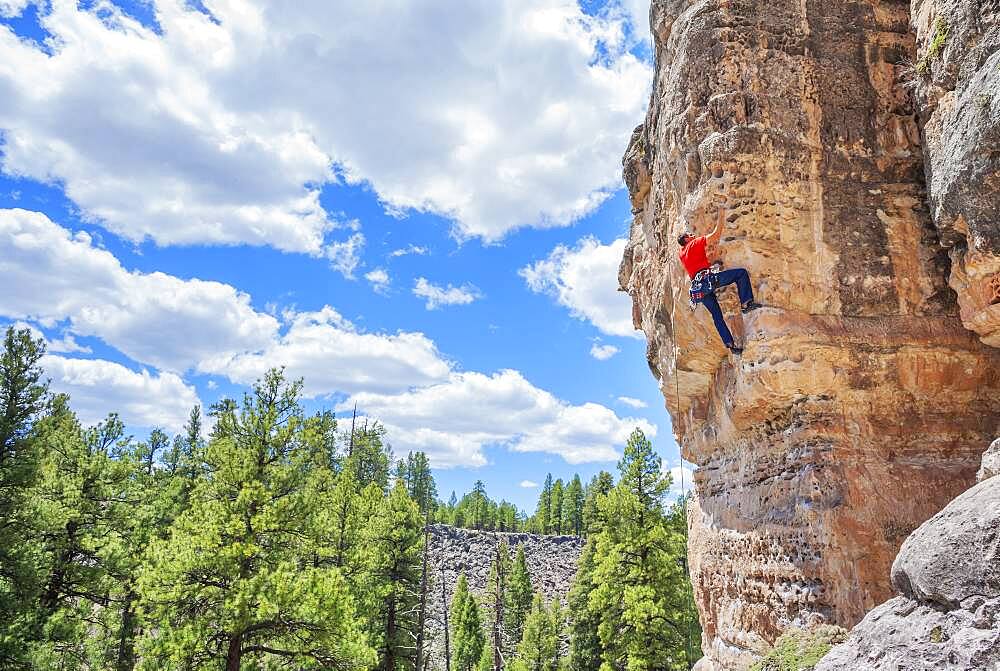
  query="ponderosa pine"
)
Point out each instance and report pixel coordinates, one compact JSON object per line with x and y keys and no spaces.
{"x":467,"y":637}
{"x":519,"y":596}
{"x":235,"y":586}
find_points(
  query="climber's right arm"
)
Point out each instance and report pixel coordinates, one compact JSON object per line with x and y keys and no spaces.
{"x":714,"y":237}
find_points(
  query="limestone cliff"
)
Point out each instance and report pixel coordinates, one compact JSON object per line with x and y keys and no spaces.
{"x":552,"y":562}
{"x":861,"y":404}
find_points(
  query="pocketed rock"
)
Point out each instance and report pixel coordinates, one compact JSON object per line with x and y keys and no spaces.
{"x":947,"y":615}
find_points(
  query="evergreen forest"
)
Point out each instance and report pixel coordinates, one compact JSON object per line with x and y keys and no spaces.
{"x":280,"y":539}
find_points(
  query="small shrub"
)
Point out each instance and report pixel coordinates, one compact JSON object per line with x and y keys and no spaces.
{"x":800,"y":649}
{"x":941,"y":31}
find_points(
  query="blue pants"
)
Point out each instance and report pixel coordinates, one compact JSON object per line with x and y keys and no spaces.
{"x":742,"y":279}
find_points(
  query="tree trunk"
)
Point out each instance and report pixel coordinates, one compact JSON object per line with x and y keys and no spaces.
{"x":54,"y":586}
{"x":422,"y":617}
{"x":389,"y":661}
{"x":235,"y":655}
{"x":126,"y":635}
{"x":447,"y":639}
{"x":350,"y":445}
{"x":498,"y":614}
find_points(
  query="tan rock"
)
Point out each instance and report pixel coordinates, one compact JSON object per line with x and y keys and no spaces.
{"x":861,"y":404}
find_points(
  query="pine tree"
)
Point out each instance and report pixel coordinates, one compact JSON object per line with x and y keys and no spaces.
{"x":416,"y":474}
{"x":237,"y":583}
{"x":539,"y":648}
{"x":23,"y":400}
{"x":369,"y":457}
{"x":519,"y":596}
{"x":639,"y":591}
{"x":425,"y":597}
{"x":572,"y":508}
{"x":555,"y":507}
{"x":558,"y":616}
{"x":467,"y":639}
{"x":394,"y":564}
{"x":544,"y":506}
{"x":507,"y":517}
{"x":677,"y":520}
{"x":480,"y":506}
{"x":79,"y":485}
{"x":599,"y":486}
{"x":585,"y":643}
{"x":495,"y":605}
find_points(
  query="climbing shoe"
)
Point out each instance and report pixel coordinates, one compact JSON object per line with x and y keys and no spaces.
{"x":750,"y":307}
{"x":736,"y":350}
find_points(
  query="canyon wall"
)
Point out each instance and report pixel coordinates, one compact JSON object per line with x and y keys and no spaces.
{"x":862,"y":403}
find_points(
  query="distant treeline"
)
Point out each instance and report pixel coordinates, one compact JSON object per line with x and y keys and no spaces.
{"x":561,"y":509}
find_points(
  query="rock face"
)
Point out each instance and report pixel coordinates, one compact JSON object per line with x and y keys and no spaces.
{"x":948,"y":613}
{"x":552,"y":562}
{"x":957,"y":85}
{"x":861,"y":404}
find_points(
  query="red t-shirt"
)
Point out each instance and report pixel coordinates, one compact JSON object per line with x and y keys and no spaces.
{"x":693,"y":256}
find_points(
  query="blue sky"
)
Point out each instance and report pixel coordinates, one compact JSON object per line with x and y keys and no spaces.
{"x":415,"y":210}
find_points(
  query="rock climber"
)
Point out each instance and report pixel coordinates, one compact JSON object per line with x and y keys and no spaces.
{"x":705,"y":280}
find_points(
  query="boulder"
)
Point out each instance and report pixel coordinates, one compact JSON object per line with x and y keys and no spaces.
{"x":991,"y":462}
{"x":947,"y":615}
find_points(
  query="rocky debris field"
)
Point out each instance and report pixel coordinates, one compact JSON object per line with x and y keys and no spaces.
{"x":552,"y":562}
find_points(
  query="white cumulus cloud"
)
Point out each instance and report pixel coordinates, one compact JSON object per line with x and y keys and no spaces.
{"x":379,"y":280}
{"x":436,"y":296}
{"x":97,"y":387}
{"x":332,"y":355}
{"x":603,"y":352}
{"x":223,"y":125}
{"x":453,"y":421}
{"x":12,"y":7}
{"x":632,"y":402}
{"x":528,"y":484}
{"x":585,"y":280}
{"x":51,"y":274}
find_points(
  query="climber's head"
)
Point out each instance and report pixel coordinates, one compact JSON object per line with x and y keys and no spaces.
{"x":683,"y":238}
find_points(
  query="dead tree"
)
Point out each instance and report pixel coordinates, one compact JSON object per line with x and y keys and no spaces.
{"x":498,"y":613}
{"x":422,"y":616}
{"x":447,"y":636}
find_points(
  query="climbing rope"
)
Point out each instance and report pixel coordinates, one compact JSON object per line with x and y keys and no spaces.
{"x":677,"y":384}
{"x":677,"y":396}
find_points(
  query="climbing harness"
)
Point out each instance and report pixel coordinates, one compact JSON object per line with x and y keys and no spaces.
{"x":704,"y":283}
